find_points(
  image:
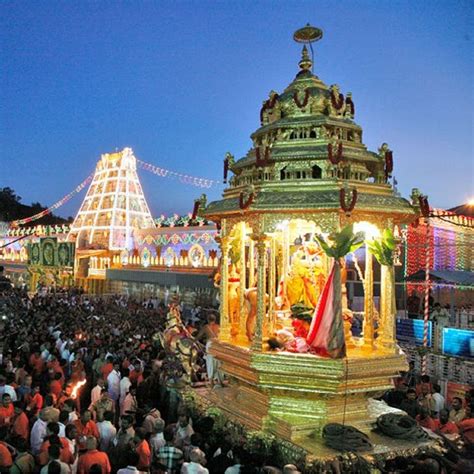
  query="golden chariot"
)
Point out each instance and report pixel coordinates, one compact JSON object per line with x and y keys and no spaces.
{"x":308,"y":172}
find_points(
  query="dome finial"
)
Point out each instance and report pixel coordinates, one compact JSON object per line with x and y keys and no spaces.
{"x":307,"y":35}
{"x":305,"y":63}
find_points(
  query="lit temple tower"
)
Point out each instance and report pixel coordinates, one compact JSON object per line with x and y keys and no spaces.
{"x":113,"y":207}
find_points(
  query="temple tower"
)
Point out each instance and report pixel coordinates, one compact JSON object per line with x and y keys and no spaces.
{"x":113,"y":207}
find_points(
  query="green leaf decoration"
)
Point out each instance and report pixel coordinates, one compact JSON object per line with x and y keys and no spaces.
{"x":383,"y":249}
{"x":339,"y":244}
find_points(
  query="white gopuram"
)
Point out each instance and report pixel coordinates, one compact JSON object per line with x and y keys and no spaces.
{"x":114,"y":205}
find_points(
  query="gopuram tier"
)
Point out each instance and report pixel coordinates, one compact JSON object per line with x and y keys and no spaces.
{"x":307,"y":176}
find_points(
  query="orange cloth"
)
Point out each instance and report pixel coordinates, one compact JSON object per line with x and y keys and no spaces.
{"x":6,"y":414}
{"x":21,"y":426}
{"x":35,"y":403}
{"x":37,"y":363}
{"x":447,"y":428}
{"x":106,"y":369}
{"x":65,"y":454}
{"x":144,"y":455}
{"x":427,"y":422}
{"x":89,"y":429}
{"x":5,"y":456}
{"x":55,"y":388}
{"x":88,"y":459}
{"x":467,"y":429}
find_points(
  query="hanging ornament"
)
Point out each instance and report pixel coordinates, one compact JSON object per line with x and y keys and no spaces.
{"x":303,"y":104}
{"x":388,"y":164}
{"x":424,"y":206}
{"x":268,"y":104}
{"x":345,"y":206}
{"x":260,"y":162}
{"x":335,"y":159}
{"x":337,"y":102}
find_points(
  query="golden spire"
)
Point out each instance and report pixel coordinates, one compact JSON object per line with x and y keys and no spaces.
{"x":305,"y":63}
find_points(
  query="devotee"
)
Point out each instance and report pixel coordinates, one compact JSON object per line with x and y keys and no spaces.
{"x":410,"y":404}
{"x":107,"y":430}
{"x":445,"y":426}
{"x":170,"y":458}
{"x":93,"y":456}
{"x":195,"y":464}
{"x":457,"y":412}
{"x":438,"y":400}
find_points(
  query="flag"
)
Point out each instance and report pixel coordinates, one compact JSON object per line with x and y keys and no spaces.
{"x":326,"y":333}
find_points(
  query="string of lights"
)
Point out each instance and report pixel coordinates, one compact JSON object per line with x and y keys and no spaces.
{"x":184,"y":178}
{"x":55,"y":206}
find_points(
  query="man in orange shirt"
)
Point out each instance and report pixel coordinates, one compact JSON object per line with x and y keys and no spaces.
{"x":56,"y":387}
{"x":52,"y":437}
{"x":36,"y":362}
{"x":466,"y":426}
{"x":107,"y":367}
{"x":20,"y":426}
{"x":6,"y":459}
{"x":86,"y":427}
{"x":142,"y":448}
{"x":34,"y":401}
{"x":6,"y":410}
{"x":445,"y":426}
{"x":93,"y":456}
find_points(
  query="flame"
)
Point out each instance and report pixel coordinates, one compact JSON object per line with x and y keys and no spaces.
{"x":77,"y":387}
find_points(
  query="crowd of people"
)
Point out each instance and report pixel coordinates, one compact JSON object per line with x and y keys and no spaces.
{"x":87,"y":386}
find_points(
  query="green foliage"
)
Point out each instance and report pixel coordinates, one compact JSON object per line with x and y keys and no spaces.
{"x":383,"y":249}
{"x":339,"y":244}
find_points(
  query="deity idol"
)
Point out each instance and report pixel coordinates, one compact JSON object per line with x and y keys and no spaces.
{"x":306,"y":276}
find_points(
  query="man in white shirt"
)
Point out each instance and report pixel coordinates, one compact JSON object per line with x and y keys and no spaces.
{"x":196,"y":457}
{"x":113,"y":383}
{"x":107,"y":430}
{"x":157,"y":440}
{"x":96,"y":391}
{"x":4,"y":388}
{"x":124,"y":386}
{"x":438,"y":400}
{"x":38,"y":432}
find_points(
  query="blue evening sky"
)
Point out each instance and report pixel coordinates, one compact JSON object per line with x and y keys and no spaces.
{"x":182,"y":82}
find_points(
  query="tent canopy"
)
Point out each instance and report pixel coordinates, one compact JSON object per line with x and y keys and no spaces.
{"x":453,"y":277}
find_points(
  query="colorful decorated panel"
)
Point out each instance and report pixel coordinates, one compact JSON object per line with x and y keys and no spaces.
{"x":49,"y":252}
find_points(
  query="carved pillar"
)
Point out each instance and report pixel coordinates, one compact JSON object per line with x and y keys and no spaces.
{"x":388,"y":307}
{"x":368,"y":302}
{"x":224,"y":333}
{"x":243,"y":279}
{"x":261,"y":293}
{"x":271,"y":284}
{"x":251,"y":264}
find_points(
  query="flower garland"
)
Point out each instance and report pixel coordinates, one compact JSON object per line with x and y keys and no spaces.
{"x":197,"y":205}
{"x":342,"y":200}
{"x":335,"y":159}
{"x":226,"y":169}
{"x":266,"y":160}
{"x":388,"y":164}
{"x":303,"y":104}
{"x":350,"y":105}
{"x":268,"y":104}
{"x":337,"y":103}
{"x":424,"y":206}
{"x":245,"y":204}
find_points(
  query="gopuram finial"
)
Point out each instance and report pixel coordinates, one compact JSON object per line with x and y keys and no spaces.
{"x":307,"y":35}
